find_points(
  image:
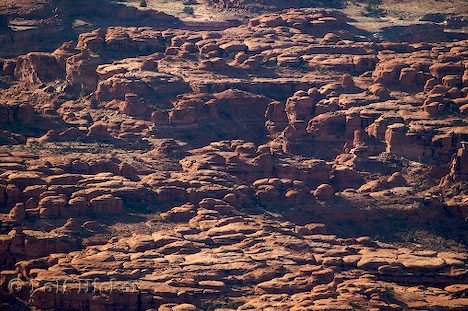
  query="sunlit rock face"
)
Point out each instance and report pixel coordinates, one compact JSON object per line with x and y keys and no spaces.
{"x":295,"y":161}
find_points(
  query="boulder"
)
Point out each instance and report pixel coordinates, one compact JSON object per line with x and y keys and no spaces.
{"x":133,"y":105}
{"x":324,"y":192}
{"x":38,"y":67}
{"x":440,"y":70}
{"x":51,"y":206}
{"x":17,"y":213}
{"x":106,"y":204}
{"x":81,"y":71}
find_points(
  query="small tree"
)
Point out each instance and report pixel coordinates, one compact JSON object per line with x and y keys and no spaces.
{"x":372,"y":8}
{"x":188,"y":10}
{"x":143,"y":3}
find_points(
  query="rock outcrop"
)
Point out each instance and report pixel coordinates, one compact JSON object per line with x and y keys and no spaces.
{"x":292,"y":162}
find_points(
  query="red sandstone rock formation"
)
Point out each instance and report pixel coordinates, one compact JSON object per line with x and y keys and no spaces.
{"x":254,"y":167}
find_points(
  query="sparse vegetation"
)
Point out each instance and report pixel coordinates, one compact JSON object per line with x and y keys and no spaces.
{"x":188,"y":10}
{"x":233,"y":156}
{"x":214,"y":305}
{"x":372,"y":8}
{"x":331,"y":3}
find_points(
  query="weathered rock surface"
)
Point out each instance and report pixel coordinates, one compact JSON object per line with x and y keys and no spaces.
{"x":294,"y":162}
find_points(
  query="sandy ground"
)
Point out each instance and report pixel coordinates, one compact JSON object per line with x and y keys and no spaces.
{"x":398,"y":12}
{"x":201,"y":12}
{"x":404,"y":12}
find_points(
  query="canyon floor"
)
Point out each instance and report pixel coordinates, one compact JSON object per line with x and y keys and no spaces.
{"x":239,"y":155}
